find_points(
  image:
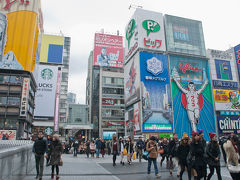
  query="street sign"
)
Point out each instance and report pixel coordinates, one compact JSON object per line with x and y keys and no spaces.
{"x":48,"y":130}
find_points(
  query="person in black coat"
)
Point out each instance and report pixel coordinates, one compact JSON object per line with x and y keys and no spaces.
{"x":164,"y":145}
{"x":197,"y":156}
{"x":129,"y":148}
{"x":103,"y":146}
{"x":213,"y":156}
{"x":182,"y":153}
{"x":88,"y":148}
{"x":172,"y":151}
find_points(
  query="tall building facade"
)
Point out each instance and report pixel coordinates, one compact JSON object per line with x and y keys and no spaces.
{"x":105,"y":86}
{"x":168,"y":85}
{"x":21,"y":24}
{"x":71,"y":98}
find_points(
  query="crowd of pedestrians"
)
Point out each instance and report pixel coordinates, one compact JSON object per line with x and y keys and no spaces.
{"x":192,"y":155}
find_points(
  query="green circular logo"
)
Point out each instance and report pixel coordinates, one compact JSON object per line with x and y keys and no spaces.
{"x":150,"y":26}
{"x":47,"y":74}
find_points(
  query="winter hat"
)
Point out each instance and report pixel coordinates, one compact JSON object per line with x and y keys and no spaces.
{"x":211,"y":135}
{"x":194,"y":133}
{"x":200,"y":131}
{"x":185,"y":136}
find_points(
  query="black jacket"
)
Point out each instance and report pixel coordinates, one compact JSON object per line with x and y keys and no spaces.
{"x":164,"y":146}
{"x":129,"y":147}
{"x":213,"y":152}
{"x":140,"y":144}
{"x":40,"y":146}
{"x":172,"y":147}
{"x":197,"y":152}
{"x":182,"y":153}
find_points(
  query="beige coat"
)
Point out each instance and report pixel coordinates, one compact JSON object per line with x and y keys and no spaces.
{"x":152,"y":149}
{"x":232,"y":155}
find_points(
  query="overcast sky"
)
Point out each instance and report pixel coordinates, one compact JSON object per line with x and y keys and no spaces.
{"x":80,"y":19}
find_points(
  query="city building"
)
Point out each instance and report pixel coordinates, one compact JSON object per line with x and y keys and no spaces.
{"x":21,"y":24}
{"x":71,"y":98}
{"x":165,"y":62}
{"x":105,"y":86}
{"x":52,"y":70}
{"x":78,"y":124}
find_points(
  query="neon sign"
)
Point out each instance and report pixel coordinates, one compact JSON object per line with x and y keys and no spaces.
{"x":188,"y":67}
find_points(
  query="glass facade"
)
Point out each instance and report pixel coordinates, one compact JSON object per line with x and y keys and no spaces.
{"x":78,"y":114}
{"x":184,"y":36}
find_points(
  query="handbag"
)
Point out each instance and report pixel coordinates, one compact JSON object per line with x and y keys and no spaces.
{"x":134,"y":156}
{"x":125,"y":152}
{"x":161,"y":151}
{"x":145,"y":155}
{"x":61,"y":162}
{"x":233,"y":169}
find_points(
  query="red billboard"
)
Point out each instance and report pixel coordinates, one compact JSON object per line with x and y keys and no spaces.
{"x":115,"y":123}
{"x":108,"y":50}
{"x":107,"y":101}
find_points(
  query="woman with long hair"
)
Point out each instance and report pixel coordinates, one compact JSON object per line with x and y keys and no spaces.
{"x":164,"y":145}
{"x":114,"y":149}
{"x":55,"y":154}
{"x":129,"y":148}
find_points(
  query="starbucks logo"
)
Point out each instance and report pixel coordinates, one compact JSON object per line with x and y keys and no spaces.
{"x":47,"y":74}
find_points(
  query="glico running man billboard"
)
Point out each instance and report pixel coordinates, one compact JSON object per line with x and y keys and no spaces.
{"x":156,"y":100}
{"x":192,"y":95}
{"x":108,"y":50}
{"x":19,"y":27}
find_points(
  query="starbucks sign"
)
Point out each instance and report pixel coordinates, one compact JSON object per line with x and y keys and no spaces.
{"x":47,"y":74}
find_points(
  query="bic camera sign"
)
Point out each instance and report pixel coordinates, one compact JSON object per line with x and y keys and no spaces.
{"x":150,"y":26}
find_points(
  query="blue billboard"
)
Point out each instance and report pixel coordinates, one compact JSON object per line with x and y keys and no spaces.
{"x":156,"y":102}
{"x":223,"y":69}
{"x":192,"y":97}
{"x":228,"y":124}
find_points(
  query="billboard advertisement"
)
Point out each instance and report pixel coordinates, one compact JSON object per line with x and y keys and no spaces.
{"x":191,"y":95}
{"x":9,"y":134}
{"x":184,"y":35}
{"x":19,"y":27}
{"x":155,"y":93}
{"x":132,"y":81}
{"x":108,"y":50}
{"x":136,"y":116}
{"x":228,"y":124}
{"x":108,"y":102}
{"x":108,"y":134}
{"x":24,"y":98}
{"x":146,"y":31}
{"x":46,"y":92}
{"x":237,"y":57}
{"x":226,"y":100}
{"x":51,"y":49}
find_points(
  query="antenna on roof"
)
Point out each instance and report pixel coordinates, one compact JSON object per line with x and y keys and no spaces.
{"x":134,"y":6}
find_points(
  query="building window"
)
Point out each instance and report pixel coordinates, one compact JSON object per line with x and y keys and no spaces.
{"x":3,"y":100}
{"x":13,"y":101}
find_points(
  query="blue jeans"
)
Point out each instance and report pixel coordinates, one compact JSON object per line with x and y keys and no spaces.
{"x":97,"y":152}
{"x":154,"y":160}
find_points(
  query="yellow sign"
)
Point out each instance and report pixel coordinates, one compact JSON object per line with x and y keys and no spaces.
{"x":19,"y":27}
{"x":221,"y":95}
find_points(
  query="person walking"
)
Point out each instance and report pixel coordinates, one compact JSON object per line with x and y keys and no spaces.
{"x":121,"y":148}
{"x":197,"y":156}
{"x":39,"y":149}
{"x":88,"y":148}
{"x":98,"y":146}
{"x":182,"y":153}
{"x":213,"y":156}
{"x":129,"y":148}
{"x":49,"y":142}
{"x":152,"y":149}
{"x":114,"y":149}
{"x":164,"y":145}
{"x":172,"y":152}
{"x":109,"y":147}
{"x":103,"y":146}
{"x":55,"y":154}
{"x":75,"y":147}
{"x":232,"y":157}
{"x":92,"y":148}
{"x":140,"y":147}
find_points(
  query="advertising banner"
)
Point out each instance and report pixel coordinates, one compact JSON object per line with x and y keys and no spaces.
{"x":24,"y":98}
{"x":9,"y":134}
{"x":108,"y":134}
{"x":136,"y":116}
{"x":155,"y":93}
{"x":132,"y":81}
{"x":51,"y":49}
{"x":115,"y":123}
{"x":145,"y":30}
{"x":19,"y":27}
{"x":184,"y":35}
{"x":108,"y":50}
{"x":108,"y":102}
{"x":237,"y":57}
{"x":228,"y":124}
{"x":46,"y":91}
{"x":192,"y":95}
{"x":225,"y":84}
{"x":226,"y":100}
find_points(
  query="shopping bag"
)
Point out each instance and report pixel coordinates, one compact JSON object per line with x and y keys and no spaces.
{"x":161,"y":151}
{"x":61,"y":162}
{"x":134,"y":156}
{"x":145,"y":155}
{"x":125,"y":151}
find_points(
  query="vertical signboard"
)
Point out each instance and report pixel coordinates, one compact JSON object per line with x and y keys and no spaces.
{"x":52,"y":49}
{"x":46,"y":91}
{"x":155,"y":93}
{"x":24,"y":98}
{"x":146,"y":31}
{"x":136,"y":116}
{"x":56,"y":128}
{"x":132,"y":81}
{"x":192,"y":95}
{"x":19,"y":34}
{"x":108,"y":50}
{"x":184,"y":35}
{"x":237,"y":56}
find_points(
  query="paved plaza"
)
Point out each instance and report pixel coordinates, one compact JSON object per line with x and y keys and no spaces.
{"x":83,"y":168}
